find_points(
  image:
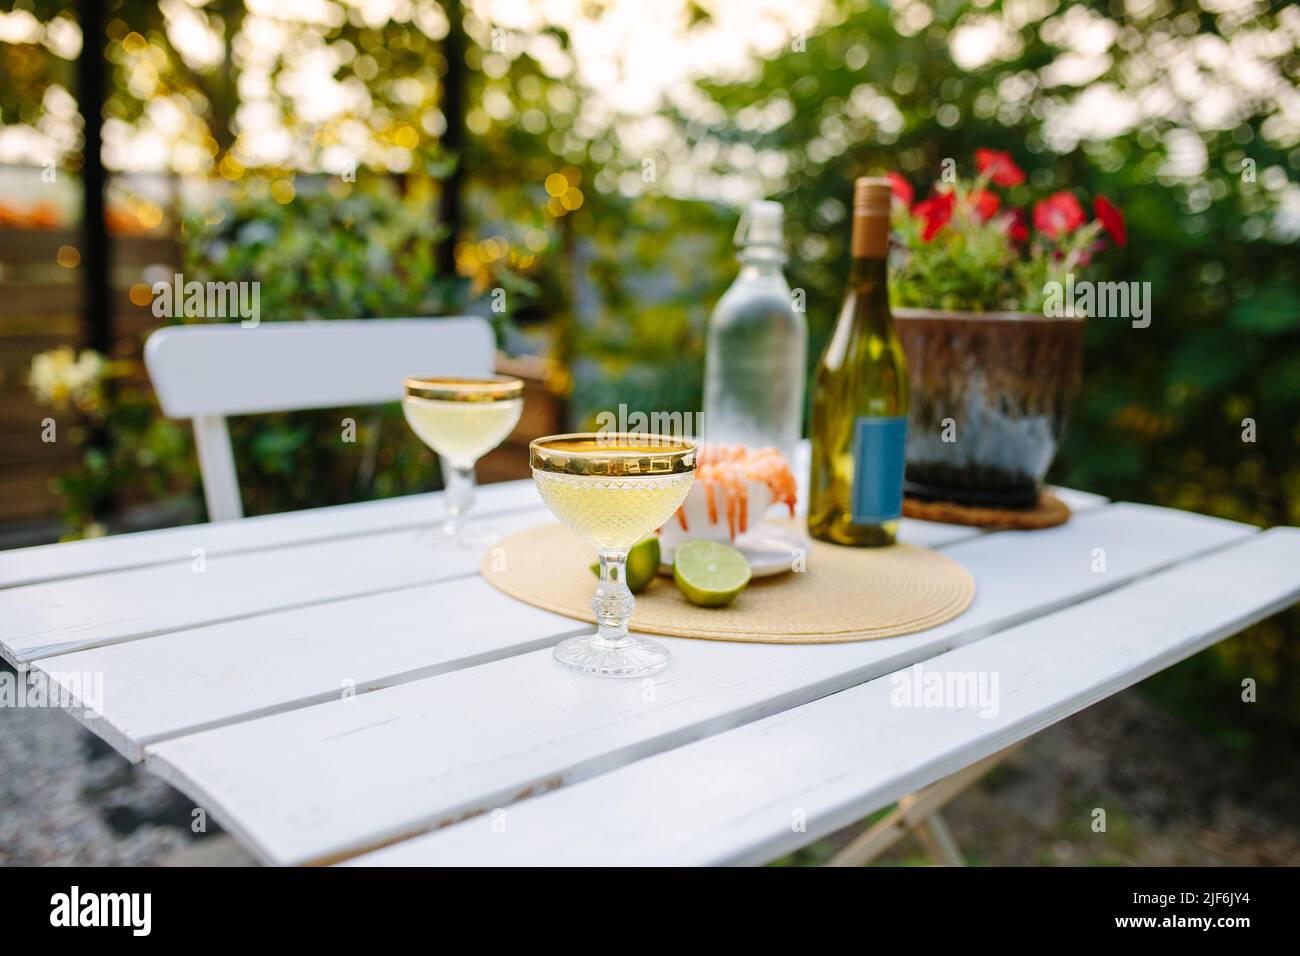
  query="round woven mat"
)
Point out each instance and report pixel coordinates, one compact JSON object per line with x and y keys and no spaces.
{"x":1049,"y":512}
{"x":844,"y":594}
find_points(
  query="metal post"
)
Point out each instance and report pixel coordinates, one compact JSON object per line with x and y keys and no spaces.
{"x":454,"y":140}
{"x":96,"y":284}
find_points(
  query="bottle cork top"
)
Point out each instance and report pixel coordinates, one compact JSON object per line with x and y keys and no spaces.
{"x":871,"y":199}
{"x":871,"y":196}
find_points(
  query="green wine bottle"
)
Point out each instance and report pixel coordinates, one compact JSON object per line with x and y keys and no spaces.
{"x":860,"y":397}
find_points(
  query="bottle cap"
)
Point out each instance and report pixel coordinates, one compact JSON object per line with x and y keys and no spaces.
{"x":871,"y":201}
{"x":761,"y":224}
{"x":871,"y":196}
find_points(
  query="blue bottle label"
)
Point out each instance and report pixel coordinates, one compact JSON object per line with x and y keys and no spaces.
{"x":879,"y":446}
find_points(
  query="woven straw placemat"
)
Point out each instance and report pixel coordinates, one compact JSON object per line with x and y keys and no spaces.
{"x":843,"y":594}
{"x":1048,"y":512}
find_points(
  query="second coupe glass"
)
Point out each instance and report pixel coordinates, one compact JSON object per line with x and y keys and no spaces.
{"x":462,"y":419}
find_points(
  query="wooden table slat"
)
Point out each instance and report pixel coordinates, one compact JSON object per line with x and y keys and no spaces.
{"x":57,"y":617}
{"x":206,"y":677}
{"x":71,"y":559}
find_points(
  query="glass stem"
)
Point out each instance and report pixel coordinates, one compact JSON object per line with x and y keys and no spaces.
{"x":613,"y":602}
{"x":459,"y":495}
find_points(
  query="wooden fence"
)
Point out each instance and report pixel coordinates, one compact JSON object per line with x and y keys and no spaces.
{"x":40,"y":303}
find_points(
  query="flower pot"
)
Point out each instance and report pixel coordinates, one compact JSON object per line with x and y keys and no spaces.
{"x":991,"y":393}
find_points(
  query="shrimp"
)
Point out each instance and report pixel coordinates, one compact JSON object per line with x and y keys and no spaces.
{"x":730,"y":468}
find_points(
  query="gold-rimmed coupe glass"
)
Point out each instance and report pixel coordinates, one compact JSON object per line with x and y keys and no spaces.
{"x":613,"y":490}
{"x":462,"y":419}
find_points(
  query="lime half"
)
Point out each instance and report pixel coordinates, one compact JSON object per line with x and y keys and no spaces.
{"x":642,"y":564}
{"x":710,"y":573}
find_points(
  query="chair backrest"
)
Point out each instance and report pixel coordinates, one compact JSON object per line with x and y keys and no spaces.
{"x":207,"y":372}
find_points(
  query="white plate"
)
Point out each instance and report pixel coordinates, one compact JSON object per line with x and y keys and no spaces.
{"x":769,"y":548}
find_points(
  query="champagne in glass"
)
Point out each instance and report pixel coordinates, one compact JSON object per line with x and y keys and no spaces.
{"x":860,"y":397}
{"x":462,"y":419}
{"x":612,"y":490}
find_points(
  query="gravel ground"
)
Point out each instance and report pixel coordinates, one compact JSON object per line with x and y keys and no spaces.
{"x":1171,"y":797}
{"x":67,"y":799}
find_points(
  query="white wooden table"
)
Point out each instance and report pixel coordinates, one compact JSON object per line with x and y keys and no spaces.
{"x":331,"y":689}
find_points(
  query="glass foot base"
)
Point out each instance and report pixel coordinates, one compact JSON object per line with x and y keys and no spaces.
{"x":588,"y":655}
{"x":466,"y":536}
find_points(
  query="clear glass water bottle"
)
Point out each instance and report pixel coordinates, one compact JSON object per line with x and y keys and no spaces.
{"x":754,"y":363}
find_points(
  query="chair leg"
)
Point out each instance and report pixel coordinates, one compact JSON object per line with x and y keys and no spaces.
{"x":938,"y":841}
{"x":217,"y":465}
{"x":918,"y":813}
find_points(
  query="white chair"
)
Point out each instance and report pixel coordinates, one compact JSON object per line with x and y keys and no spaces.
{"x":207,"y":372}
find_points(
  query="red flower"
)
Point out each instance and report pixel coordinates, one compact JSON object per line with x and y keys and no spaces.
{"x":985,"y":203}
{"x":1017,"y":228}
{"x":901,"y":188}
{"x":1004,"y":170}
{"x":1112,"y":220}
{"x":936,"y":211}
{"x":1058,"y":215}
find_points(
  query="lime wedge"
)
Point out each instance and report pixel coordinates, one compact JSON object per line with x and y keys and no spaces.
{"x":710,"y":573}
{"x":642,"y":564}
